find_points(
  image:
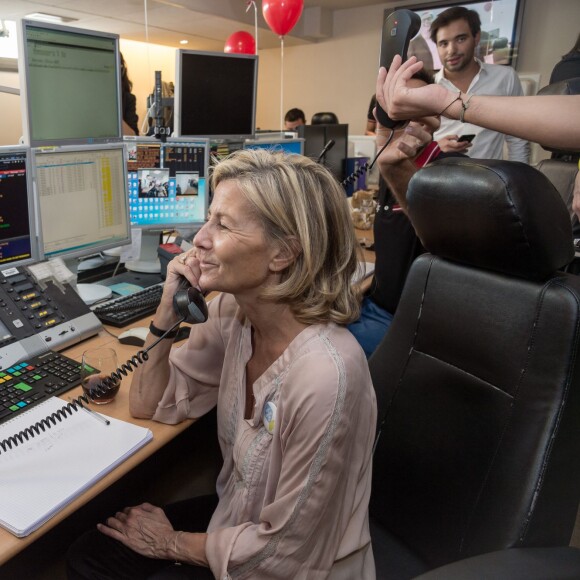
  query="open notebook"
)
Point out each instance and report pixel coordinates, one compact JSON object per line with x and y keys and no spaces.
{"x":42,"y":475}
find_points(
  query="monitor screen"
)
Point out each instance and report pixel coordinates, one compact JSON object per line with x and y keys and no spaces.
{"x":316,"y":137}
{"x":215,"y":94}
{"x":335,"y":157}
{"x":287,"y":145}
{"x":500,"y":26}
{"x":173,"y":192}
{"x":82,"y":197}
{"x":142,"y":152}
{"x":71,"y":85}
{"x":19,"y":244}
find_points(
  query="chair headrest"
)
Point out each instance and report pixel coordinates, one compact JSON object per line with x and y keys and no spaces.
{"x":498,"y":215}
{"x":566,"y":87}
{"x":324,"y":119}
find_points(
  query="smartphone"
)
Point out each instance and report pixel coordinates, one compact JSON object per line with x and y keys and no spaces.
{"x":469,"y":138}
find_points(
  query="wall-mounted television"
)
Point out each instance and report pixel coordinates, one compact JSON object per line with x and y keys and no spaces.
{"x":215,"y":95}
{"x":501,"y":22}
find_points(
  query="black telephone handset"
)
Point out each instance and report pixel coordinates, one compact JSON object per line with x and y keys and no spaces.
{"x":398,"y":29}
{"x":188,"y":303}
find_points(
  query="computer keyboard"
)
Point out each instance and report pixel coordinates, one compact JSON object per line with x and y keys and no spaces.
{"x":33,"y":380}
{"x":127,"y":309}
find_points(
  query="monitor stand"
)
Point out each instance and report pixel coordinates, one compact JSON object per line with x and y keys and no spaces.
{"x":148,"y":262}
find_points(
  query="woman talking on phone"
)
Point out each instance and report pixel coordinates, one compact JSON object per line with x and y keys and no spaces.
{"x":295,"y":404}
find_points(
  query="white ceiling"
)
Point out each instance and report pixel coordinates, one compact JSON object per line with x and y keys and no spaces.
{"x":166,"y":22}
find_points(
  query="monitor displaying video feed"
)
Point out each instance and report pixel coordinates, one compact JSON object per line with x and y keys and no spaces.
{"x":19,"y":244}
{"x":286,"y":145}
{"x":70,"y":83}
{"x":501,"y":22}
{"x":172,"y":194}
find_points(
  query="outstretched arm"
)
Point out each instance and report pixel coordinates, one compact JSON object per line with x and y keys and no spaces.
{"x":552,"y":120}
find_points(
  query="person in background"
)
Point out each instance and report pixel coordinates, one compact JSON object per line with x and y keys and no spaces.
{"x":569,"y":66}
{"x":395,"y":242}
{"x":552,"y":120}
{"x":296,"y":407}
{"x":128,"y":102}
{"x":456,"y":32}
{"x":294,"y":118}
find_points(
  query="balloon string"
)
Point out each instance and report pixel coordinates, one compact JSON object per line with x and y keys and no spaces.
{"x":248,"y":6}
{"x":282,"y":83}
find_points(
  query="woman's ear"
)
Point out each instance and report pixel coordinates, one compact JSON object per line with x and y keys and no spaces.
{"x":286,"y":254}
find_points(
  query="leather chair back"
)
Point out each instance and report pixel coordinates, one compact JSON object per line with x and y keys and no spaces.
{"x":478,"y":378}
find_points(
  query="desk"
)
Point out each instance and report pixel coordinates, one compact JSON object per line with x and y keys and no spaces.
{"x":10,"y":545}
{"x":119,"y":408}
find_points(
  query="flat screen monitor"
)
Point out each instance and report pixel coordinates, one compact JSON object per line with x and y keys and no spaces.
{"x":501,"y":22}
{"x":70,"y":84}
{"x":215,"y":94}
{"x":286,"y":145}
{"x":172,"y":194}
{"x":316,"y":137}
{"x":19,"y":244}
{"x":82,"y":197}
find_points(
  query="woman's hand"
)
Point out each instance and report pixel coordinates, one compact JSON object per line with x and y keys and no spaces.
{"x":145,"y":529}
{"x":186,"y":266}
{"x":402,"y":102}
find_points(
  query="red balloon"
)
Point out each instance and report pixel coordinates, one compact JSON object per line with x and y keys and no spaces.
{"x":282,"y":15}
{"x":241,"y":42}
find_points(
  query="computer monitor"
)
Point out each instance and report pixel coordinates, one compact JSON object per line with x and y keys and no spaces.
{"x":215,"y":94}
{"x":19,"y":244}
{"x":315,"y":139}
{"x":83,"y":200}
{"x":335,"y":158}
{"x":286,"y":145}
{"x":171,"y":195}
{"x":70,"y":83}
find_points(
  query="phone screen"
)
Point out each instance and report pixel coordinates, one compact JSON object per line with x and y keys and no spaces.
{"x":468,"y":138}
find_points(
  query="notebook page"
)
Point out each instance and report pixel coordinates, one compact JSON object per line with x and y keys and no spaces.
{"x":42,"y":475}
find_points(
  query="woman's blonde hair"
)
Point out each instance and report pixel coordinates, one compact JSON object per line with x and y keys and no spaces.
{"x":299,"y":202}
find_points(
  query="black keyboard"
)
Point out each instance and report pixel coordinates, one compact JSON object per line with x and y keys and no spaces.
{"x":32,"y":381}
{"x":127,"y":309}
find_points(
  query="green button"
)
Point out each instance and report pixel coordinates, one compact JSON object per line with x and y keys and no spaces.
{"x":14,"y":408}
{"x":23,"y":387}
{"x":36,"y":377}
{"x":17,"y":373}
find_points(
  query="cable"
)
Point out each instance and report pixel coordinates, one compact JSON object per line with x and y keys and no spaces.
{"x":352,"y":178}
{"x":108,"y":383}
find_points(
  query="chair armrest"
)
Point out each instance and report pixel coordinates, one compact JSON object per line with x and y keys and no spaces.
{"x":557,"y":563}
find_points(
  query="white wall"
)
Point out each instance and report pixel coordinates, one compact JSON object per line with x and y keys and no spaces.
{"x":336,"y":75}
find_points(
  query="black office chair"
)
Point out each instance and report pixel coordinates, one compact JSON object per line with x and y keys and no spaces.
{"x":478,"y":384}
{"x":324,"y":119}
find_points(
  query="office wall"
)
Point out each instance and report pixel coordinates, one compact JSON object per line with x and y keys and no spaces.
{"x":339,"y":75}
{"x":336,"y":75}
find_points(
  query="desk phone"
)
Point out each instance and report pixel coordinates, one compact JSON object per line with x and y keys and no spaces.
{"x":35,"y":318}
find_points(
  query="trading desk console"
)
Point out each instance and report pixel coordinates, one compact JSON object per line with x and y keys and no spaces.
{"x":35,"y":318}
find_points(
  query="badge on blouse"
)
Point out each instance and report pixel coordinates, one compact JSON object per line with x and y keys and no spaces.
{"x":269,"y":417}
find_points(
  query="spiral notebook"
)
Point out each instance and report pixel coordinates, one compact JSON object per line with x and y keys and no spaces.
{"x":45,"y":473}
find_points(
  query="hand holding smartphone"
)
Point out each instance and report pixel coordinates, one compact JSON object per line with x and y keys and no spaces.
{"x":466,"y":138}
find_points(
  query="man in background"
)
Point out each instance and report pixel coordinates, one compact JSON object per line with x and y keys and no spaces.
{"x":294,"y":118}
{"x":456,"y":32}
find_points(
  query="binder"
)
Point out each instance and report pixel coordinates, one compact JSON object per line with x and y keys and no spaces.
{"x":43,"y":474}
